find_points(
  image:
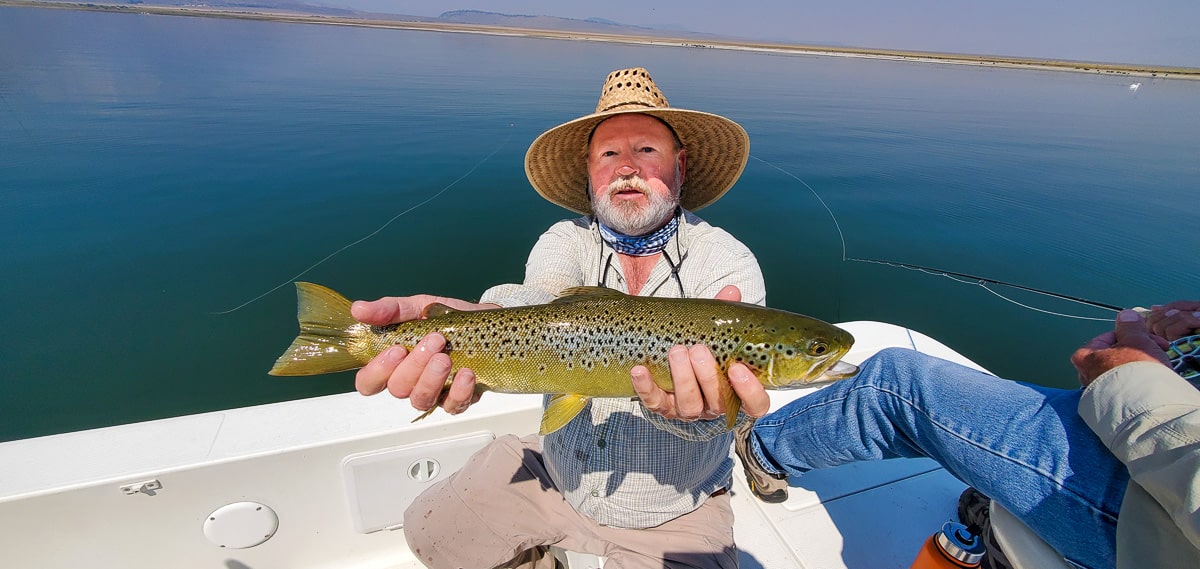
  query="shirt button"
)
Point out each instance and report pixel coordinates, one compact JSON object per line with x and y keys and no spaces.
{"x":595,"y":493}
{"x":600,"y":443}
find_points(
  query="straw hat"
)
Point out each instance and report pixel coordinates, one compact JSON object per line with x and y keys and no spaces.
{"x":717,"y":148}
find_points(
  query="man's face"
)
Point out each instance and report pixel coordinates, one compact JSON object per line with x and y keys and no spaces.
{"x":635,"y":173}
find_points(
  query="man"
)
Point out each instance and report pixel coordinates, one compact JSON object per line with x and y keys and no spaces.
{"x":643,"y":482}
{"x":1107,"y":475}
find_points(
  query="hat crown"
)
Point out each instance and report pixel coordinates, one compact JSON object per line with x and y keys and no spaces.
{"x":717,"y":147}
{"x":629,"y":89}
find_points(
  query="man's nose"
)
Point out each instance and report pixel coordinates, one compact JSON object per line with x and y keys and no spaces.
{"x":626,"y":171}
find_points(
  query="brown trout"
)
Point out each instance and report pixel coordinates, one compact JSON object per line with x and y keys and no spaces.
{"x":580,"y":345}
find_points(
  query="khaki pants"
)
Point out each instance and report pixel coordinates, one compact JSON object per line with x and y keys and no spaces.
{"x":502,"y":510}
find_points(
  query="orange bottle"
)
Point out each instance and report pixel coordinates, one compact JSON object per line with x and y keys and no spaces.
{"x":953,"y":547}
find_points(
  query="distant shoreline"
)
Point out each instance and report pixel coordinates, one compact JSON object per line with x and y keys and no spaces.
{"x":1116,"y":69}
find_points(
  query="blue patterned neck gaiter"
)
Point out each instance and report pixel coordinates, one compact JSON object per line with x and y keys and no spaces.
{"x":640,"y":245}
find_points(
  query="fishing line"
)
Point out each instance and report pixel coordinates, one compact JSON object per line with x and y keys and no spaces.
{"x":371,"y":234}
{"x":816,"y":195}
{"x":16,"y":118}
{"x":964,"y":278}
{"x":983,"y":283}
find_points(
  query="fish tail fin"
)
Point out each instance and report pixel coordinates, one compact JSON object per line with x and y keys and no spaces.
{"x":326,"y":332}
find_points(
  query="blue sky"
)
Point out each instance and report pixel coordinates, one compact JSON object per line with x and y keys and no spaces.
{"x":1163,"y":32}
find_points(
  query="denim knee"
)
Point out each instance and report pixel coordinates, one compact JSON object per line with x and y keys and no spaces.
{"x":895,"y":369}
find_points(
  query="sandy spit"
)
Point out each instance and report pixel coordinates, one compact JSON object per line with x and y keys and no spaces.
{"x":1121,"y":69}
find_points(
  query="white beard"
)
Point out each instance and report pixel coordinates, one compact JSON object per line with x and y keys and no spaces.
{"x":630,"y":218}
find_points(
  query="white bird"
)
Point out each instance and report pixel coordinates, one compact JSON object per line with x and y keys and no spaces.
{"x":1134,"y":86}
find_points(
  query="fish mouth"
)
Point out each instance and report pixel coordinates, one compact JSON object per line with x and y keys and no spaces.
{"x":837,"y":371}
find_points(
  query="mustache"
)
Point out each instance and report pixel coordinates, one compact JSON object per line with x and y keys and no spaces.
{"x":631,"y":183}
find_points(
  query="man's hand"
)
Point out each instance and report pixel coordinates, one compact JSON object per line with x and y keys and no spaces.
{"x":697,"y":379}
{"x":419,"y":376}
{"x":1175,"y":320}
{"x":1131,"y":341}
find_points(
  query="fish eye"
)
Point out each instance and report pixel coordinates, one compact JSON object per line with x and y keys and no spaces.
{"x":818,"y":348}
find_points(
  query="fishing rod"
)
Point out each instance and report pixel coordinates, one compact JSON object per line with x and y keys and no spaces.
{"x":958,"y":277}
{"x":1183,"y":354}
{"x":979,"y":279}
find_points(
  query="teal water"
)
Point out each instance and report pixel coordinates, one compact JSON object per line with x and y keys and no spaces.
{"x":158,"y":171}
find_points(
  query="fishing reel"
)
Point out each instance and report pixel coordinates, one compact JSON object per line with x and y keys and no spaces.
{"x":1184,"y":356}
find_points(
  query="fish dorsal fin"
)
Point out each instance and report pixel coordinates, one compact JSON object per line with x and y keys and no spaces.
{"x":436,"y":309}
{"x":585,"y":292}
{"x":560,"y":410}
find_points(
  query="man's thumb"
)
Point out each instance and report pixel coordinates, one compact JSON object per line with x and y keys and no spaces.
{"x":1133,"y":331}
{"x":1130,"y":326}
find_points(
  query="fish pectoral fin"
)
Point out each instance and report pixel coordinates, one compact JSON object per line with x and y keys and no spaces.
{"x":560,"y":410}
{"x":733,"y":403}
{"x":436,"y":309}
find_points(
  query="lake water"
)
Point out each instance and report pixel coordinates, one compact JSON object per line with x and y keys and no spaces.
{"x":157,"y":171}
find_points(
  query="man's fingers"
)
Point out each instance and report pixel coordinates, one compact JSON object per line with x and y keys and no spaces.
{"x":373,"y":377}
{"x":709,"y":378}
{"x":755,"y":400}
{"x":689,"y":400}
{"x":652,"y":397}
{"x":1176,"y":319}
{"x":389,"y":309}
{"x":413,"y":378}
{"x":462,"y":392}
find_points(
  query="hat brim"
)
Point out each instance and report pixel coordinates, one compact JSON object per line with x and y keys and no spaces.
{"x":717,"y":152}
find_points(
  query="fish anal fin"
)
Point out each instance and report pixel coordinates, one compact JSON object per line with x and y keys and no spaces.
{"x":560,"y":410}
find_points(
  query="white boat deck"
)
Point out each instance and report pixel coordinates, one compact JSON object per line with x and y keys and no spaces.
{"x":326,"y":479}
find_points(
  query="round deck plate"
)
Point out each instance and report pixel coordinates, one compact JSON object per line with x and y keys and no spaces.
{"x":241,"y":524}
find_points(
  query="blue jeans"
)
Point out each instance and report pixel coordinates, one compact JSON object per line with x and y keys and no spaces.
{"x":1023,"y":445}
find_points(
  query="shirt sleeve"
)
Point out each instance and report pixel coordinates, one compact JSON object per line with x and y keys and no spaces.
{"x":1149,"y":418}
{"x":552,"y":267}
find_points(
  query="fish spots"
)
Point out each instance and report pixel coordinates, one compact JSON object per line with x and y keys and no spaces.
{"x":758,"y":353}
{"x":519,"y":350}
